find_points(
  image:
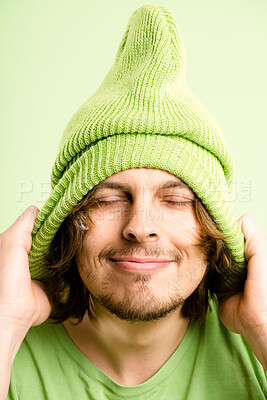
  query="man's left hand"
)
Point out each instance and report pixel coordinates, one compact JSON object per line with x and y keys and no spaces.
{"x":246,"y":312}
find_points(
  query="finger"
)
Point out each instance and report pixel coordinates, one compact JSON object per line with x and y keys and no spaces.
{"x":43,"y":303}
{"x":27,"y":218}
{"x":255,"y":249}
{"x":256,"y":240}
{"x":19,"y":233}
{"x":227,"y":311}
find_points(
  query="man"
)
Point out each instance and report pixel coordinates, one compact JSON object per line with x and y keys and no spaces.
{"x":135,"y":248}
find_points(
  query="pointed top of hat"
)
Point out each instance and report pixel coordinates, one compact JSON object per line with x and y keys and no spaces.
{"x":150,"y":50}
{"x":145,"y":92}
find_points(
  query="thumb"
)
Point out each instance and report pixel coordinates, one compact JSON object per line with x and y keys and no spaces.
{"x":256,"y":240}
{"x":42,"y":301}
{"x":19,"y":233}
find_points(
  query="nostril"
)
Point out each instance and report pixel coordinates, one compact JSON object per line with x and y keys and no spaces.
{"x":139,"y":234}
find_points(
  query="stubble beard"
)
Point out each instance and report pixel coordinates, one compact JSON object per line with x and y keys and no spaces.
{"x":140,"y":303}
{"x":128,"y":310}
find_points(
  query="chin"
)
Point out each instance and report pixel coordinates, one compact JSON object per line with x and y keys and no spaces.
{"x":134,"y":310}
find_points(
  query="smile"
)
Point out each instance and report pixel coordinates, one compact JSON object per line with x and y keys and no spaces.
{"x":141,"y":264}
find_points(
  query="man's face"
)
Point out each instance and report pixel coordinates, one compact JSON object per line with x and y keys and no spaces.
{"x":139,"y":258}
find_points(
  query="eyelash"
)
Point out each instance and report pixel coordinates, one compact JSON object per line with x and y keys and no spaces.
{"x":181,"y":203}
{"x":108,"y":202}
{"x":186,"y":203}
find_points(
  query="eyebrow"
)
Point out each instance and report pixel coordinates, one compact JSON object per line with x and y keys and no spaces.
{"x":126,"y":188}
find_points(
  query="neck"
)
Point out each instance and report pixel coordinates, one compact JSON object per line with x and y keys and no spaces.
{"x":129,"y":353}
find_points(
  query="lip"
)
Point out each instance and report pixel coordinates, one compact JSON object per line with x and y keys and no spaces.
{"x":141,"y":264}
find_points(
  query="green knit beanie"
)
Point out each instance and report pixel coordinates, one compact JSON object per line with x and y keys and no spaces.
{"x":142,"y":115}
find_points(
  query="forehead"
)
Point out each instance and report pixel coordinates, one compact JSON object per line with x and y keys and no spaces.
{"x":147,"y":178}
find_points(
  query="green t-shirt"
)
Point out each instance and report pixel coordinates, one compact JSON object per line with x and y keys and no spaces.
{"x":210,"y":363}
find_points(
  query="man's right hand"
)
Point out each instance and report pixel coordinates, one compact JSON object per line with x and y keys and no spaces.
{"x":23,"y":302}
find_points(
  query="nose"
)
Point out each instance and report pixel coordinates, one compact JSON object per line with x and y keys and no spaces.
{"x":142,"y":225}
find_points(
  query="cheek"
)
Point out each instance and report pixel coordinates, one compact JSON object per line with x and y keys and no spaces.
{"x":85,"y":259}
{"x":186,"y":237}
{"x":197,"y":264}
{"x":184,"y":230}
{"x":108,"y":216}
{"x":101,"y":232}
{"x":88,"y":266}
{"x":105,"y":225}
{"x":97,"y":237}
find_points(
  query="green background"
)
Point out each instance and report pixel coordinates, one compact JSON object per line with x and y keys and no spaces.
{"x":54,"y":55}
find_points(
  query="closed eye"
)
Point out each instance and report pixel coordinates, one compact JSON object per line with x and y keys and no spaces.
{"x":179,"y":201}
{"x":111,"y":200}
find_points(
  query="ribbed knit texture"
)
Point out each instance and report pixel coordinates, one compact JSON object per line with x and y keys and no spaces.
{"x":142,"y":115}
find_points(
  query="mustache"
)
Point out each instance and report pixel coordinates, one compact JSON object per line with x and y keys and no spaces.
{"x":133,"y":250}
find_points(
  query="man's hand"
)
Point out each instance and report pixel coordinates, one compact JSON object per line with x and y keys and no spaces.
{"x":246,"y":312}
{"x":23,"y":302}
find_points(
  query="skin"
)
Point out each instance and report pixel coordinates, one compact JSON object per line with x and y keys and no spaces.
{"x":138,"y":218}
{"x":23,"y":302}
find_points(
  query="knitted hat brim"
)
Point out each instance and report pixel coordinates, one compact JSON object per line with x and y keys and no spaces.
{"x":197,"y":167}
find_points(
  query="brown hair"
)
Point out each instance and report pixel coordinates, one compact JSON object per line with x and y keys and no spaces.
{"x":71,"y":299}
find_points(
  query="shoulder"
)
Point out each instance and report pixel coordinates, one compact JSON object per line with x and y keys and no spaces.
{"x":40,"y":341}
{"x":227,"y":348}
